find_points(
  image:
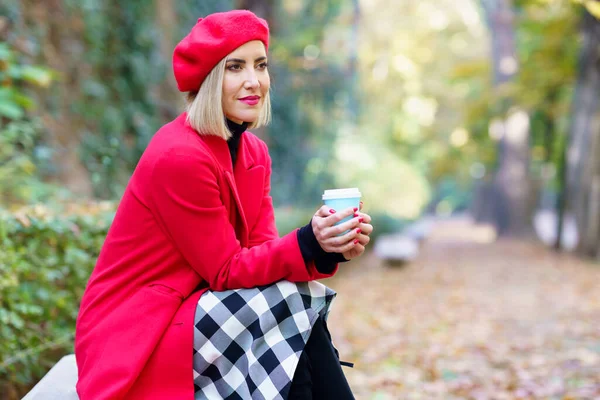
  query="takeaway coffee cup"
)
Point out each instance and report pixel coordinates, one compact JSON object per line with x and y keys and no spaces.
{"x":339,"y":199}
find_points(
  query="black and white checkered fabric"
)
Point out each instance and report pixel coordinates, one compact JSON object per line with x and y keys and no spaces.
{"x":247,"y":342}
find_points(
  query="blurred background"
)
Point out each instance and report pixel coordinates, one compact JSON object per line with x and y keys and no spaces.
{"x":472,"y":128}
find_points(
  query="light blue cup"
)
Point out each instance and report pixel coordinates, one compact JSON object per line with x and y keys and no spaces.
{"x":340,"y":199}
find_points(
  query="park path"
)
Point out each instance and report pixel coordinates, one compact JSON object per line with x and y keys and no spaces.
{"x":470,"y":319}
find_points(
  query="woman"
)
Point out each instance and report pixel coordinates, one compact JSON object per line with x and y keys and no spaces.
{"x":197,"y":215}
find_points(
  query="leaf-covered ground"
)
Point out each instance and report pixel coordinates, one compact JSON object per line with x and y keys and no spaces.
{"x":470,"y":320}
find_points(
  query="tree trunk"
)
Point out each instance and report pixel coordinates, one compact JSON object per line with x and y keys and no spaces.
{"x":62,"y":127}
{"x":513,"y":200}
{"x":512,"y":182}
{"x":582,"y":160}
{"x":563,"y":195}
{"x":170,"y":100}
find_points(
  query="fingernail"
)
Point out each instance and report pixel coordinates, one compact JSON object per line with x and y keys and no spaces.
{"x":356,"y":241}
{"x":355,"y":209}
{"x":332,"y":211}
{"x":358,"y":230}
{"x":355,"y":214}
{"x":360,"y":220}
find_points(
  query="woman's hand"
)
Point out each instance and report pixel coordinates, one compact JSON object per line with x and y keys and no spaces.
{"x":352,"y":243}
{"x":327,"y":234}
{"x":363,"y":238}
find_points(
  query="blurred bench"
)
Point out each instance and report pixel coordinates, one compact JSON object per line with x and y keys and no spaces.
{"x":396,"y":248}
{"x":403,"y":247}
{"x":58,"y":383}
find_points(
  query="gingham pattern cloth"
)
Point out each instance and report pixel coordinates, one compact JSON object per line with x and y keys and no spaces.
{"x":247,"y":342}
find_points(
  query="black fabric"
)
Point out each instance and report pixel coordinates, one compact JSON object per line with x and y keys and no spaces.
{"x":311,"y":250}
{"x":319,"y":375}
{"x":236,"y":134}
{"x":302,"y":386}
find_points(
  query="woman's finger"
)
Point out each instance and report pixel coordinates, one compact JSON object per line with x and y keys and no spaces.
{"x":323,"y":230}
{"x":333,"y":243}
{"x":338,"y":230}
{"x":337,"y":216}
{"x":319,"y":221}
{"x":363,"y":239}
{"x":365,"y":217}
{"x":324,"y":211}
{"x":366,"y":229}
{"x":348,"y":246}
{"x":354,"y":252}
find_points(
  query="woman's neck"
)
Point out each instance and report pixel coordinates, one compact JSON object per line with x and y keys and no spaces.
{"x":235,"y":128}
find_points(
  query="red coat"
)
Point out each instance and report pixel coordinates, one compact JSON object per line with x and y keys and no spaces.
{"x":187,"y":221}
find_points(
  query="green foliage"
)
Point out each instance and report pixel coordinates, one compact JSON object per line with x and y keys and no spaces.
{"x":547,"y":44}
{"x":21,"y":150}
{"x":13,"y":74}
{"x":451,"y":196}
{"x":306,"y":117}
{"x":115,"y":97}
{"x":592,"y":6}
{"x":20,"y":156}
{"x":115,"y":100}
{"x":45,"y":263}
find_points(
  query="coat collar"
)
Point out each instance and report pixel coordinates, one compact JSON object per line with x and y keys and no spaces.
{"x":242,"y":180}
{"x":220,"y":150}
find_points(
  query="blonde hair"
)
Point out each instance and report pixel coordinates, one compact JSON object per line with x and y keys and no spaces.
{"x":205,"y":108}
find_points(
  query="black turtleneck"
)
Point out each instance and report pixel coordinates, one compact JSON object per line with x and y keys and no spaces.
{"x":309,"y":246}
{"x":236,"y":134}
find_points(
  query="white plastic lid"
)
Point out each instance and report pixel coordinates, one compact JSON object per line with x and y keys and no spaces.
{"x":341,"y":193}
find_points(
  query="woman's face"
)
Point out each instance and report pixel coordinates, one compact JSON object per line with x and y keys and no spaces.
{"x":246,"y":82}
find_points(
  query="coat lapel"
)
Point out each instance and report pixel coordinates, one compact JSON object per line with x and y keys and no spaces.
{"x":249,"y":178}
{"x":219,"y":149}
{"x":246,"y":182}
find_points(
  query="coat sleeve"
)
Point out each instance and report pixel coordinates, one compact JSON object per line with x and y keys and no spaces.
{"x":187,"y":202}
{"x":265,"y":228}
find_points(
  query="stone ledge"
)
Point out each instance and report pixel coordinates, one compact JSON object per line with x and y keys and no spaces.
{"x":58,"y":383}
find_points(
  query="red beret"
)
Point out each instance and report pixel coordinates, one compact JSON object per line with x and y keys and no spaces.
{"x":211,"y":40}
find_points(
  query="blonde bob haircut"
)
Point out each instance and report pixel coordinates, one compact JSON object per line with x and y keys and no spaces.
{"x":205,"y":108}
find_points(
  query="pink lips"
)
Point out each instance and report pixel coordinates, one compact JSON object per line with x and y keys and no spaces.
{"x":250,"y":100}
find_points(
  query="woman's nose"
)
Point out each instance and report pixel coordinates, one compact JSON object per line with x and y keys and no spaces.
{"x":251,"y":81}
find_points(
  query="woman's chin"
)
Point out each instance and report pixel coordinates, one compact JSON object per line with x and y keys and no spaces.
{"x":241,"y":118}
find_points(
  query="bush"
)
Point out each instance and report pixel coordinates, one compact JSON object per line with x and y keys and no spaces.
{"x":46,"y":259}
{"x":45,"y":263}
{"x":22,"y":153}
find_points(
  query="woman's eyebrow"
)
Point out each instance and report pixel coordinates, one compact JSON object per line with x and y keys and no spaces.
{"x":241,"y":61}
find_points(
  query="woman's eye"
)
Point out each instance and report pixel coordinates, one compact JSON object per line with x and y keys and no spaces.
{"x":263,"y":65}
{"x":234,"y":67}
